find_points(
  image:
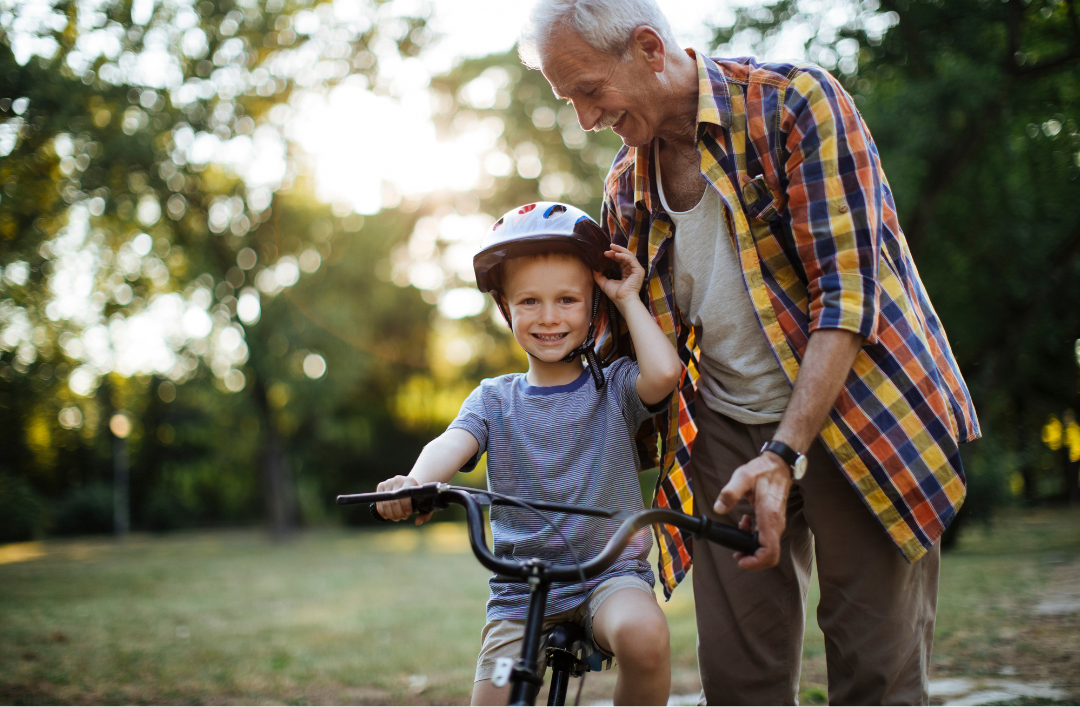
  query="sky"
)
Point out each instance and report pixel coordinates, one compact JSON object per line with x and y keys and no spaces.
{"x":330,"y":128}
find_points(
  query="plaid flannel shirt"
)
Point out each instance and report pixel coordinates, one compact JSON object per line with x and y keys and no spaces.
{"x":814,"y":224}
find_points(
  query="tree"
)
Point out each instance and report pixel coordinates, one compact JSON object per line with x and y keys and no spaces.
{"x":974,"y":107}
{"x":120,"y":223}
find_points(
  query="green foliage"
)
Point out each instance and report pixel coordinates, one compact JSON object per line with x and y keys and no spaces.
{"x":164,"y":512}
{"x":92,"y":144}
{"x":20,"y":510}
{"x":975,"y":108}
{"x":86,"y":510}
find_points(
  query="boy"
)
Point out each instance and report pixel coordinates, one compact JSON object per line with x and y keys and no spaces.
{"x":552,"y":435}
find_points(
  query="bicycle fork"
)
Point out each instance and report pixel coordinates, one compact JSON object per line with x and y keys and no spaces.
{"x":525,"y":678}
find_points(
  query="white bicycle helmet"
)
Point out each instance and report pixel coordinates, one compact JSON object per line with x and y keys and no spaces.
{"x":550,"y":227}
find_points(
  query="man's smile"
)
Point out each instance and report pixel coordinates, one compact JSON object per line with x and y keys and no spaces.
{"x":609,"y":120}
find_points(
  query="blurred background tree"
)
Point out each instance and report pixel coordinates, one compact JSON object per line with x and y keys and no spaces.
{"x":143,"y":272}
{"x":154,"y":187}
{"x":975,"y":106}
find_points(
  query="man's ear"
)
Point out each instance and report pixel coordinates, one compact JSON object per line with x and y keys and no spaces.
{"x":646,"y":44}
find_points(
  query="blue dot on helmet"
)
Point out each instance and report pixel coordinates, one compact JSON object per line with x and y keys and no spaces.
{"x":556,"y":209}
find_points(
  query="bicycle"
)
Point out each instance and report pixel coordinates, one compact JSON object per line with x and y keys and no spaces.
{"x":564,"y":657}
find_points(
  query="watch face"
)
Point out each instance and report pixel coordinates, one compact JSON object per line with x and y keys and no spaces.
{"x":798,"y":469}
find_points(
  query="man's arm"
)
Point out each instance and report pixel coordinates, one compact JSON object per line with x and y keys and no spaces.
{"x":766,"y":480}
{"x":834,"y":211}
{"x":440,"y":459}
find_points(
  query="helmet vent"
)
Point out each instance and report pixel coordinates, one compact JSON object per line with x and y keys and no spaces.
{"x":556,"y":209}
{"x":527,"y":208}
{"x":498,"y":223}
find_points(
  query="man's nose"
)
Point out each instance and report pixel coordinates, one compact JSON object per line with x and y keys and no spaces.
{"x":587,"y":114}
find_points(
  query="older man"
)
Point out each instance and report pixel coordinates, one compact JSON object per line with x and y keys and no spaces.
{"x":820,"y":396}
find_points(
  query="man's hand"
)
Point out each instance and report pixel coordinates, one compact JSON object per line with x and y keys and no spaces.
{"x":765,"y":482}
{"x":401,"y":508}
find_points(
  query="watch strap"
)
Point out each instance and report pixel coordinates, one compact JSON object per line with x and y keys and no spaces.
{"x":781,"y":450}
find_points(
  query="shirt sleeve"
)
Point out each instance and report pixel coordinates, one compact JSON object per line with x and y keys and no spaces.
{"x":622,"y":376}
{"x":835,"y":202}
{"x":473,"y":419}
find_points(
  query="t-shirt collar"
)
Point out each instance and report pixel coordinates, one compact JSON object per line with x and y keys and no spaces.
{"x":555,"y":389}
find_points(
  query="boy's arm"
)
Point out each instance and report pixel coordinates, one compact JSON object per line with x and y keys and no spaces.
{"x":441,"y":458}
{"x":658,"y":363}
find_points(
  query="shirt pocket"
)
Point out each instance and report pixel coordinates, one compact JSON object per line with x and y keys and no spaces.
{"x":758,"y":199}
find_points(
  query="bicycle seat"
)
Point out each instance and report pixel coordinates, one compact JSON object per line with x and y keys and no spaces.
{"x":569,"y":647}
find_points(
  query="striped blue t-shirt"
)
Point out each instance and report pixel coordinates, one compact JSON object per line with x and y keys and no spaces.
{"x":562,"y":444}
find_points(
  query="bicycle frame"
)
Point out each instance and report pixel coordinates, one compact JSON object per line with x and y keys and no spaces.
{"x":525,"y":679}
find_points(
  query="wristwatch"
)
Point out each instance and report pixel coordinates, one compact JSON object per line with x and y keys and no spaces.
{"x":796,"y":461}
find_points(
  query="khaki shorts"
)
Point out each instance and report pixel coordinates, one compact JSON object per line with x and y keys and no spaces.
{"x":502,"y":638}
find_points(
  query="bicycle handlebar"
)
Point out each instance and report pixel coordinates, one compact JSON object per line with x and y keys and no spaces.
{"x":433,"y":496}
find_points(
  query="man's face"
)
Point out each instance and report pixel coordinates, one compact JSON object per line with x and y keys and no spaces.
{"x":550,"y":300}
{"x":605,"y":92}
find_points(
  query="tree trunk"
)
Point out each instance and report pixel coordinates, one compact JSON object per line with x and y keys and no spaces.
{"x":277,"y":483}
{"x":1072,"y":481}
{"x":279,"y":494}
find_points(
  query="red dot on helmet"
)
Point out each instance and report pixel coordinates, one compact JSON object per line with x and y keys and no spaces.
{"x":497,"y":224}
{"x":526,"y":209}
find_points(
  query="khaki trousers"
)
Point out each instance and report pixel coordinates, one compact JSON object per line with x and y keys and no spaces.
{"x":877,"y":610}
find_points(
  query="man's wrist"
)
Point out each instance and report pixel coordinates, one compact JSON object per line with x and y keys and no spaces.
{"x":779,"y":461}
{"x":794,"y":460}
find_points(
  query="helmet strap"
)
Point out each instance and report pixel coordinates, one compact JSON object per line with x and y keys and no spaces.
{"x":588,"y":348}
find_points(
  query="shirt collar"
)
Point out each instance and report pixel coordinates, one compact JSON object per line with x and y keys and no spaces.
{"x":714,"y":100}
{"x":714,"y":107}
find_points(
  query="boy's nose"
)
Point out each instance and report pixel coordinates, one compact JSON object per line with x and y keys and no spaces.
{"x":549,"y":314}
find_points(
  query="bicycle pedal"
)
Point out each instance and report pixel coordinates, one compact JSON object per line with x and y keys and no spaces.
{"x":503,"y":668}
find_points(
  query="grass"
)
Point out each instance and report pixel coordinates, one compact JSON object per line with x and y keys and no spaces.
{"x":394,"y":617}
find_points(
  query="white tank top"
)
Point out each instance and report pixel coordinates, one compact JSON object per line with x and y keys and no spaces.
{"x":740,"y":377}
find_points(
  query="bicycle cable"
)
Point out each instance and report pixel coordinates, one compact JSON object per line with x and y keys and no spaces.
{"x":525,"y":504}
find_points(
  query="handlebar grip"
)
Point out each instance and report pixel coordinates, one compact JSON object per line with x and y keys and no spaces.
{"x":420,"y":507}
{"x":729,"y":536}
{"x":376,"y":515}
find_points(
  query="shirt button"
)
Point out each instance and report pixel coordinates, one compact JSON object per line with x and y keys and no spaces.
{"x":843,"y":208}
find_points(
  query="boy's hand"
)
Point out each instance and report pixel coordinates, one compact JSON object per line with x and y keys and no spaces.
{"x":401,"y":508}
{"x":632,"y":276}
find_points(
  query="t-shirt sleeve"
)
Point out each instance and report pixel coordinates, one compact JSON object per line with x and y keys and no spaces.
{"x":623,"y":377}
{"x":472,"y":419}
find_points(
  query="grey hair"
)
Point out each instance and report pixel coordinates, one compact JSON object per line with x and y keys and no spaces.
{"x":606,"y":25}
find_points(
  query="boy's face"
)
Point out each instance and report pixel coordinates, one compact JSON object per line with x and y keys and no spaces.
{"x":550,"y":300}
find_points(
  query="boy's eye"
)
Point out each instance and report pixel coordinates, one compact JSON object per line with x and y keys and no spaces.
{"x":568,"y":300}
{"x":529,"y":300}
